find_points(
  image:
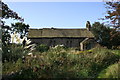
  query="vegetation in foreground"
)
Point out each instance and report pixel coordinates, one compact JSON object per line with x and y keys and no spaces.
{"x":60,"y":62}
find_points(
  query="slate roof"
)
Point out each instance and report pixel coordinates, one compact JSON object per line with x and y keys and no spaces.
{"x":55,"y":32}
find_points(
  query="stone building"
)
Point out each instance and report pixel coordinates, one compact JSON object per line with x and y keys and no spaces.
{"x":87,"y":44}
{"x":54,"y":36}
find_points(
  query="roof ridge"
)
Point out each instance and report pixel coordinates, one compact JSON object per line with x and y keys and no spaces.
{"x":58,"y":29}
{"x":59,"y":33}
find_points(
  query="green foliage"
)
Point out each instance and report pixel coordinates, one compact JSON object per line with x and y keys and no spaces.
{"x":5,"y":37}
{"x":104,"y":35}
{"x":6,"y":14}
{"x":111,"y":71}
{"x":60,"y":62}
{"x":20,"y":28}
{"x":113,"y":17}
{"x":12,"y":67}
{"x":13,"y":52}
{"x":24,"y":74}
{"x":42,"y":48}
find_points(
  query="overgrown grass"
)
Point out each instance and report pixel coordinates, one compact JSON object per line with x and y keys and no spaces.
{"x":61,"y":62}
{"x":110,"y":72}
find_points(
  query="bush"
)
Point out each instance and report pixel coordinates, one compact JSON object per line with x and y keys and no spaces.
{"x":13,"y":52}
{"x":22,"y":74}
{"x":60,"y":62}
{"x":42,"y":48}
{"x":101,"y":59}
{"x":12,"y":67}
{"x":110,"y":72}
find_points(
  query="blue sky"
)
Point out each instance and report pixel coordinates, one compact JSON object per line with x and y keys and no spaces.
{"x":58,"y":14}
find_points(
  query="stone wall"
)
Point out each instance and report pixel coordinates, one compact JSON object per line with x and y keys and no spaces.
{"x":68,"y":42}
{"x":87,"y":44}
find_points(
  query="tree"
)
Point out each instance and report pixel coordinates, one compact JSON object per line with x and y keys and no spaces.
{"x":6,"y":14}
{"x":113,"y":13}
{"x":103,"y":35}
{"x":113,"y":17}
{"x":20,"y":28}
{"x":9,"y":52}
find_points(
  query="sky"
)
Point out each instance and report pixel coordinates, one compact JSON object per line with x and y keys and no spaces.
{"x":55,"y":0}
{"x":58,"y":14}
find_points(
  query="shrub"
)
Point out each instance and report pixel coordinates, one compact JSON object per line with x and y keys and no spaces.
{"x":42,"y":48}
{"x":13,"y":52}
{"x":12,"y":67}
{"x":110,"y":72}
{"x":101,"y":60}
{"x":22,"y":74}
{"x":60,"y":62}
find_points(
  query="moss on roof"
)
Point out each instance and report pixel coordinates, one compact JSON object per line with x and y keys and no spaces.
{"x":52,"y":32}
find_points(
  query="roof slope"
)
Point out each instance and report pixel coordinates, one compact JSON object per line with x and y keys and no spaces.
{"x":52,"y":32}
